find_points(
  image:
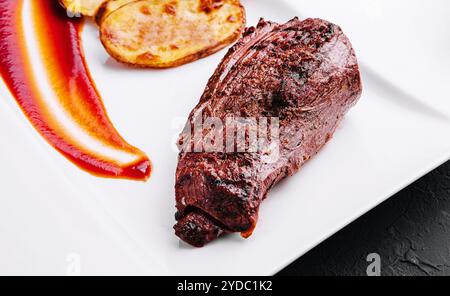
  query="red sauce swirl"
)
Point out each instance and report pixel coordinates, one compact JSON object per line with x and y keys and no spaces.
{"x":68,"y":111}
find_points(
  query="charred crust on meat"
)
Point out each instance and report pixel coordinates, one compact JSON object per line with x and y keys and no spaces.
{"x":306,"y":74}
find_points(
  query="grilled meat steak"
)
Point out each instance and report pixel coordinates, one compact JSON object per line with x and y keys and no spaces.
{"x":305,"y":73}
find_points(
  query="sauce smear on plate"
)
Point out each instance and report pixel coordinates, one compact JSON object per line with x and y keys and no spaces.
{"x":43,"y":65}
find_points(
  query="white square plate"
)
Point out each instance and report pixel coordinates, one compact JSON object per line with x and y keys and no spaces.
{"x":50,"y":210}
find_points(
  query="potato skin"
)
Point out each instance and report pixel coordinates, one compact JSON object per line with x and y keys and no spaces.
{"x":82,"y":7}
{"x":109,"y":6}
{"x":165,"y":33}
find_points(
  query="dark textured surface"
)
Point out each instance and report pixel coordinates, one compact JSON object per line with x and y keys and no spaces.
{"x":410,"y":231}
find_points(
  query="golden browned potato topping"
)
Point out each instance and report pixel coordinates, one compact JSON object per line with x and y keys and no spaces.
{"x":82,"y":7}
{"x":109,"y":6}
{"x":168,"y":33}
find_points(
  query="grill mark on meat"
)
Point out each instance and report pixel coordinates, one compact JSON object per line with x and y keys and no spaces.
{"x":236,"y":55}
{"x":303,"y":72}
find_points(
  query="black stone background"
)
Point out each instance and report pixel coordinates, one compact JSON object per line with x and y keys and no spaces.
{"x":410,"y":232}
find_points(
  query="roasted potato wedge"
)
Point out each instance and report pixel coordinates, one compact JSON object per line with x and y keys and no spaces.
{"x":109,"y":6}
{"x":82,"y":7}
{"x":169,"y":33}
